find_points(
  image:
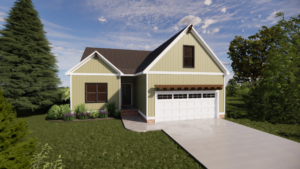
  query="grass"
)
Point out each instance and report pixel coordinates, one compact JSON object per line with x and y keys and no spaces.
{"x":106,"y":144}
{"x":235,"y":109}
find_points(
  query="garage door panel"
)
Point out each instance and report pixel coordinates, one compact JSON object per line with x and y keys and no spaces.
{"x":183,"y":111}
{"x":175,"y":118}
{"x":191,"y":103}
{"x":183,"y":118}
{"x":191,"y":117}
{"x":175,"y":104}
{"x":183,"y":103}
{"x":191,"y":111}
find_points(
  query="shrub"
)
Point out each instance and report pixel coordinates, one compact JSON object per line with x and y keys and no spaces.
{"x":68,"y":116}
{"x":80,"y":108}
{"x":117,"y":113}
{"x":94,"y":114}
{"x":110,"y":107}
{"x":103,"y":114}
{"x":84,"y":115}
{"x":54,"y":112}
{"x":64,"y":109}
{"x":38,"y":159}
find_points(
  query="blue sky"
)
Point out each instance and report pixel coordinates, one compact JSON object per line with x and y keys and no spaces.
{"x":72,"y":25}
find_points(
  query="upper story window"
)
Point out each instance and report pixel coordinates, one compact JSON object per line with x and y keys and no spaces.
{"x":188,"y":56}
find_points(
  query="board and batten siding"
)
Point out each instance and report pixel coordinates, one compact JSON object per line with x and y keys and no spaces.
{"x":139,"y":98}
{"x":158,"y":79}
{"x":78,"y":90}
{"x":173,"y":59}
{"x":95,"y":66}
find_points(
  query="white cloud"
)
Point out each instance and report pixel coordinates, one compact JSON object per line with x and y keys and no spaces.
{"x":2,"y":19}
{"x":204,"y":31}
{"x":223,"y":10}
{"x":102,"y":19}
{"x":2,"y":14}
{"x":190,"y":20}
{"x":242,"y":21}
{"x":148,"y":35}
{"x":271,"y":17}
{"x":49,"y":24}
{"x":259,"y":16}
{"x":251,"y":12}
{"x":147,"y":47}
{"x":243,"y":30}
{"x":208,"y":22}
{"x":213,"y":31}
{"x":207,"y":2}
{"x":155,"y":28}
{"x":176,"y":28}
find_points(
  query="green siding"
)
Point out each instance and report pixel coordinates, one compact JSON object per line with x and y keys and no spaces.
{"x":78,"y":90}
{"x":173,"y":59}
{"x":182,"y":80}
{"x":95,"y":66}
{"x":139,"y":89}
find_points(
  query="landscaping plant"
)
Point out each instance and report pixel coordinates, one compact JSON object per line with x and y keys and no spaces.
{"x":110,"y":107}
{"x":54,"y":112}
{"x":16,"y":150}
{"x":94,"y":114}
{"x":69,"y":116}
{"x":64,"y":108}
{"x":84,"y":115}
{"x":103,"y":114}
{"x":117,"y":113}
{"x":80,"y":108}
{"x":38,"y":159}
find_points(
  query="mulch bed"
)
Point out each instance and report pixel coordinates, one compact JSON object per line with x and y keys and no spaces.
{"x":77,"y":120}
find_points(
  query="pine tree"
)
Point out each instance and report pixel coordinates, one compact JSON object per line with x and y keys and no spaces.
{"x":15,"y":151}
{"x":27,"y":67}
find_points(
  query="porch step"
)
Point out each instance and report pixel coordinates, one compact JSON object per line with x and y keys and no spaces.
{"x":129,"y":112}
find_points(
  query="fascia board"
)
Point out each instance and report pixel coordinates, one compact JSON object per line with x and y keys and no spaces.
{"x":166,"y":50}
{"x":211,"y":53}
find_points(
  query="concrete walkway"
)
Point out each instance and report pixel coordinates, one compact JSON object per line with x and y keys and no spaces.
{"x":218,"y":143}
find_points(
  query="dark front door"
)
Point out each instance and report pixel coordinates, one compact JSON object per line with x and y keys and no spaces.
{"x":126,"y":94}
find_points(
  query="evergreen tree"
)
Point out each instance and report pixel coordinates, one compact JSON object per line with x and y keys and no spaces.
{"x":231,"y":87}
{"x":276,"y":97}
{"x":27,"y":67}
{"x":15,"y":151}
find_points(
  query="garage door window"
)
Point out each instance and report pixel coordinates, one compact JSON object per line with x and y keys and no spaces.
{"x":164,"y":96}
{"x":180,"y":96}
{"x":194,"y":96}
{"x":209,"y":95}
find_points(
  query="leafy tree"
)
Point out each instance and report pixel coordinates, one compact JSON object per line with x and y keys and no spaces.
{"x":27,"y":67}
{"x":231,"y":87}
{"x":249,"y":56}
{"x":15,"y":151}
{"x":276,"y":98}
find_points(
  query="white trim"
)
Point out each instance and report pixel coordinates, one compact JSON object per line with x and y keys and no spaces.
{"x":147,"y":96}
{"x":131,"y":92}
{"x":198,"y":37}
{"x":128,"y":75}
{"x":184,"y":73}
{"x":94,"y":74}
{"x":140,"y":73}
{"x":166,"y":50}
{"x":120,"y":93}
{"x":224,"y":88}
{"x":89,"y":58}
{"x":217,"y":105}
{"x":71,"y":92}
{"x":147,"y":118}
{"x":221,"y":113}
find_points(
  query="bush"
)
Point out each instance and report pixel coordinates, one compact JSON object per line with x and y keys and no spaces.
{"x":54,"y":112}
{"x":84,"y":115}
{"x":110,"y":107}
{"x":68,"y":116}
{"x":103,"y":114}
{"x":80,"y":108}
{"x":117,"y":113}
{"x":64,"y":109}
{"x":38,"y":159}
{"x":94,"y":114}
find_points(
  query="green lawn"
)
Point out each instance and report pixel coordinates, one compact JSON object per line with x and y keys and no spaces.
{"x":235,"y":107}
{"x":106,"y":144}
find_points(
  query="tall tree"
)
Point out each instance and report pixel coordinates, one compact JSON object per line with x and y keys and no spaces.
{"x":249,"y":56}
{"x":15,"y":151}
{"x":27,"y":67}
{"x":231,"y":87}
{"x":277,"y":96}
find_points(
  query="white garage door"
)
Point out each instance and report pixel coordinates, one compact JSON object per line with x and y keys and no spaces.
{"x":185,"y":105}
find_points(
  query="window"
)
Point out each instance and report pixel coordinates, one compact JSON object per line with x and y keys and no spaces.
{"x":194,"y":95}
{"x":188,"y":56}
{"x":96,"y":92}
{"x":164,"y":96}
{"x":180,"y":96}
{"x":209,"y":95}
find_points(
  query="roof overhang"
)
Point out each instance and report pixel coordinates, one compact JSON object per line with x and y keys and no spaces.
{"x":189,"y":87}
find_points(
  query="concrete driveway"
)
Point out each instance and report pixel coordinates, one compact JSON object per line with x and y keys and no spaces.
{"x":218,"y":143}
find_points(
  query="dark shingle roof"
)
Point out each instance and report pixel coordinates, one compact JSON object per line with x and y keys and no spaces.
{"x":130,"y":61}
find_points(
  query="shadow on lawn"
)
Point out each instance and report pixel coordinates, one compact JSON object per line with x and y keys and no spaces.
{"x":28,"y":113}
{"x":289,"y":135}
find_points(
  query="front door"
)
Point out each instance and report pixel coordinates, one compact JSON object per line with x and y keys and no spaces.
{"x":126,"y":94}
